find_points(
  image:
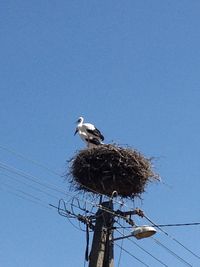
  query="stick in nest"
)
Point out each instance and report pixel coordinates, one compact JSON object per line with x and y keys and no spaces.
{"x":108,"y":168}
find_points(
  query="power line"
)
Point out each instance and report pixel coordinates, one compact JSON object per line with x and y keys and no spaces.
{"x":149,"y":252}
{"x":113,"y":213}
{"x":46,"y":185}
{"x":172,"y":252}
{"x":31,"y":178}
{"x":50,"y":186}
{"x":38,"y":189}
{"x":29,"y":159}
{"x":22,"y":196}
{"x":55,"y":188}
{"x":21,"y":191}
{"x":26,"y":196}
{"x":178,"y":224}
{"x":171,"y":225}
{"x":155,"y":258}
{"x":173,"y":238}
{"x":94,"y":204}
{"x":28,"y":185}
{"x":36,"y":202}
{"x":143,"y":263}
{"x":138,"y":246}
{"x":121,"y":246}
{"x":20,"y":155}
{"x":45,"y":168}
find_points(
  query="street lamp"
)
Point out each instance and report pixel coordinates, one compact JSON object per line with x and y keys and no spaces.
{"x":140,"y":232}
{"x":144,"y":231}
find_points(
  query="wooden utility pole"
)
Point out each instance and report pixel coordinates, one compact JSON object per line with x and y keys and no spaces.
{"x":101,"y":254}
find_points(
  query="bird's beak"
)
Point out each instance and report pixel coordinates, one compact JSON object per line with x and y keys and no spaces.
{"x":76,"y":132}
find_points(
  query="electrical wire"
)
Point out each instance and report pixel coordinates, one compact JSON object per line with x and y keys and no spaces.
{"x":52,"y":187}
{"x":171,"y":252}
{"x":133,"y":256}
{"x":172,"y":238}
{"x":29,"y":159}
{"x":67,"y":217}
{"x":28,"y":185}
{"x":35,"y":199}
{"x":165,"y":247}
{"x":121,"y":246}
{"x":158,"y":242}
{"x":55,"y":188}
{"x":20,"y":155}
{"x":170,"y":225}
{"x":109,"y":211}
{"x":178,"y":224}
{"x":48,"y":185}
{"x":79,"y":207}
{"x":178,"y":257}
{"x":37,"y":181}
{"x":21,"y":196}
{"x":32,"y":178}
{"x":21,"y":191}
{"x":76,"y":227}
{"x":144,"y":250}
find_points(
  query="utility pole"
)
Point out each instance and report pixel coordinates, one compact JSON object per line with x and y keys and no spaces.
{"x":102,"y":251}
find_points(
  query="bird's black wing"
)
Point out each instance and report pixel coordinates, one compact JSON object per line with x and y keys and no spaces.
{"x":93,"y":141}
{"x":96,"y":133}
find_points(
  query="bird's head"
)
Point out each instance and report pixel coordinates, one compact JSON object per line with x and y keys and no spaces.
{"x":80,"y":119}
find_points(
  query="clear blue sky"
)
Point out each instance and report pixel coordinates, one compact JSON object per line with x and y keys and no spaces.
{"x":130,"y":67}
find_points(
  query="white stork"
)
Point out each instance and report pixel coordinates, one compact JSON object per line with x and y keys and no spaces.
{"x":88,"y":133}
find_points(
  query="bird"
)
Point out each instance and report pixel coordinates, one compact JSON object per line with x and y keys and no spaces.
{"x":89,"y":133}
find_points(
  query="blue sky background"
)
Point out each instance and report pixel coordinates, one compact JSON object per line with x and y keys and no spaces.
{"x":130,"y":67}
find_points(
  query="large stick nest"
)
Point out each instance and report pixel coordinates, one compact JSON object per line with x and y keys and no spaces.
{"x":107,"y":168}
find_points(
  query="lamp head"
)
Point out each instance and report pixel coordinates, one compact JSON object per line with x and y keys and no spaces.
{"x":144,"y":231}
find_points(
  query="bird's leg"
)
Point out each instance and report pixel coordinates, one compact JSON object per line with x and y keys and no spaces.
{"x":88,"y":143}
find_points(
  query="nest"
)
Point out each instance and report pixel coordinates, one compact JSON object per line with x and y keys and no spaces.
{"x":107,"y":168}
